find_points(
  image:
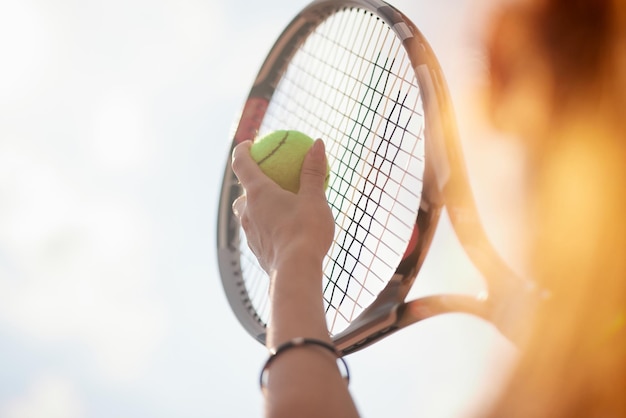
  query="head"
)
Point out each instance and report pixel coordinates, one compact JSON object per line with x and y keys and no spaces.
{"x":551,"y":58}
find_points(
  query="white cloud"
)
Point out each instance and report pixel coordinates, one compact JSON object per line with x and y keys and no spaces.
{"x":76,"y":266}
{"x":26,"y":45}
{"x":122,"y":138}
{"x":49,"y":397}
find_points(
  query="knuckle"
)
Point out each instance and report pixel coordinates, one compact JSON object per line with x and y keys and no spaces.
{"x":238,"y":158}
{"x":245,"y":222}
{"x":236,"y":163}
{"x":313,"y":171}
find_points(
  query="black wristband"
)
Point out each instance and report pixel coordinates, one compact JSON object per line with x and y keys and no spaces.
{"x":300,"y":342}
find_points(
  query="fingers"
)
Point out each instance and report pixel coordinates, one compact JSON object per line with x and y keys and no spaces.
{"x":239,"y":205}
{"x":245,"y":168}
{"x":314,"y":170}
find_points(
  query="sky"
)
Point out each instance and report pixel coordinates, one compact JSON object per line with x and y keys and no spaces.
{"x":115,"y":122}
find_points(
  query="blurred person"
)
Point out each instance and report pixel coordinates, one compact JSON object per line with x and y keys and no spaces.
{"x":557,"y":80}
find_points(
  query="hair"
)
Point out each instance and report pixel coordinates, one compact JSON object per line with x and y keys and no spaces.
{"x":558,"y":81}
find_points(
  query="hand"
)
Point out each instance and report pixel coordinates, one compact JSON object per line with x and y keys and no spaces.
{"x":280,"y":225}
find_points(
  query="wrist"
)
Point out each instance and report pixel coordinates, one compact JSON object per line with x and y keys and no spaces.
{"x":299,"y":275}
{"x":301,"y":256}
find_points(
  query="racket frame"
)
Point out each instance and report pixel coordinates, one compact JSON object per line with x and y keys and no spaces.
{"x":445,"y":184}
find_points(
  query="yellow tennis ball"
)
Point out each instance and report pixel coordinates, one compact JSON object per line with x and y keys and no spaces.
{"x":280,"y":155}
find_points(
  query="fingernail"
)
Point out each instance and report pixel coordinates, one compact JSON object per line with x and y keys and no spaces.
{"x":318,"y":148}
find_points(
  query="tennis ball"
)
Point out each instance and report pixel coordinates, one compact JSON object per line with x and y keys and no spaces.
{"x":280,"y":155}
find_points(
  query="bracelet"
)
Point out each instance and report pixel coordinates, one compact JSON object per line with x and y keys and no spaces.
{"x":300,"y":342}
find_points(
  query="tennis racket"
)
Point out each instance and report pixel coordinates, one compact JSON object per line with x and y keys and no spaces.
{"x":361,"y":76}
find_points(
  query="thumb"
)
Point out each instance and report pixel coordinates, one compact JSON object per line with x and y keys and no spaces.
{"x":314,"y":170}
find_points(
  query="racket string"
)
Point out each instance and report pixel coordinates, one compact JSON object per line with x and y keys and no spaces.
{"x":352,"y":84}
{"x":353,"y":220}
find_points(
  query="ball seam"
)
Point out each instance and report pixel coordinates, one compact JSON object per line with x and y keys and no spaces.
{"x":271,"y":153}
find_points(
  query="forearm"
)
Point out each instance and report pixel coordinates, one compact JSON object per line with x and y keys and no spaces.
{"x":297,"y":306}
{"x":304,"y":381}
{"x":290,"y":234}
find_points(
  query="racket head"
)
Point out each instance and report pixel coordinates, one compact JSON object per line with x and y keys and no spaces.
{"x":359,"y":75}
